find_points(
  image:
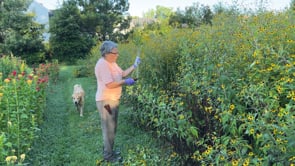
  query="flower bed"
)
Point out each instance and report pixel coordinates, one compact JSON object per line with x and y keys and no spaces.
{"x":22,"y":101}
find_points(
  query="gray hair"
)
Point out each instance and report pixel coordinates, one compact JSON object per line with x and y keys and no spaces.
{"x":107,"y":46}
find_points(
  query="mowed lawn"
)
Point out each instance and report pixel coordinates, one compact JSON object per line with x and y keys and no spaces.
{"x":66,"y":139}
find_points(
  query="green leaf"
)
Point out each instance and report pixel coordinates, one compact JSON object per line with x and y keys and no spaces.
{"x":24,"y":116}
{"x":194,"y":131}
{"x":8,"y":144}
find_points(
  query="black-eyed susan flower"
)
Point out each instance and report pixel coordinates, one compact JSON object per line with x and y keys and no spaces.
{"x":252,"y":131}
{"x":246,"y":162}
{"x":232,"y":107}
{"x":250,"y":117}
{"x":235,"y":162}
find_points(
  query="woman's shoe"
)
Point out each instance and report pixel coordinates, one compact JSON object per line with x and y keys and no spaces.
{"x":114,"y":159}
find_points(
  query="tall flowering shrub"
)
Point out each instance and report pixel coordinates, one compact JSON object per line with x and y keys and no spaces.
{"x":241,"y":92}
{"x":227,"y":95}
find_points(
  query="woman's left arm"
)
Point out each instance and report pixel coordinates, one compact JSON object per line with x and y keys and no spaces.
{"x":128,"y":71}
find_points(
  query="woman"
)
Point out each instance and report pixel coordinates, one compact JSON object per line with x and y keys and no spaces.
{"x":109,"y":88}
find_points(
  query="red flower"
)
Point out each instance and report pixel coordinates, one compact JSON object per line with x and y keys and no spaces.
{"x":14,"y":73}
{"x":30,"y":77}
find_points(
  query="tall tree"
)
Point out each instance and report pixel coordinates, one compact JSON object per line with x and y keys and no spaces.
{"x":78,"y":24}
{"x":105,"y":19}
{"x":67,"y":41}
{"x":292,"y":5}
{"x":19,"y":34}
{"x":192,"y":16}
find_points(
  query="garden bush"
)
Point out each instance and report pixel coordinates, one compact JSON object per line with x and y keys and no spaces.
{"x":223,"y":94}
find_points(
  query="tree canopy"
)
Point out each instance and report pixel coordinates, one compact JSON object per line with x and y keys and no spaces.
{"x":79,"y":24}
{"x":19,"y":34}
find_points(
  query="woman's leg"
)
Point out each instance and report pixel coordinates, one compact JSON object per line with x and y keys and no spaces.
{"x":108,"y":111}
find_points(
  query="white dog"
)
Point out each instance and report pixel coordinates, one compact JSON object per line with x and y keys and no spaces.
{"x":78,"y":98}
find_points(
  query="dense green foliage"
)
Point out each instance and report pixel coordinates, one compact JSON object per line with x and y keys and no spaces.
{"x":67,"y":42}
{"x":78,"y":24}
{"x":224,"y":94}
{"x":106,"y":20}
{"x":221,"y":91}
{"x":19,"y":34}
{"x":192,"y":16}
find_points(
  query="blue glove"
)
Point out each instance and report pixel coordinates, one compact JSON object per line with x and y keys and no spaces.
{"x":136,"y":62}
{"x":129,"y":81}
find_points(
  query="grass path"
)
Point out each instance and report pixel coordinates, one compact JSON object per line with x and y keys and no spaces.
{"x":66,"y":139}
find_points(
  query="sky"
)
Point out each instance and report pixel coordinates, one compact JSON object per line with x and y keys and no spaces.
{"x":138,"y":7}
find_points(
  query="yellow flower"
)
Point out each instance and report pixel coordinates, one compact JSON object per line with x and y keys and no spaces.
{"x":252,"y":131}
{"x":200,"y":158}
{"x":291,"y":95}
{"x":208,"y":109}
{"x":235,"y":162}
{"x":29,"y":82}
{"x":292,"y":158}
{"x":279,"y":140}
{"x":22,"y":157}
{"x":258,"y":135}
{"x":1,"y":94}
{"x":222,"y":86}
{"x":246,"y":163}
{"x":250,"y":117}
{"x":7,"y":80}
{"x":10,"y":159}
{"x":233,"y":141}
{"x":207,"y":152}
{"x":219,"y":99}
{"x":275,"y":131}
{"x":290,"y":80}
{"x":279,"y":89}
{"x":232,"y":107}
{"x":22,"y":67}
{"x":181,"y":116}
{"x":174,"y":154}
{"x":269,"y":69}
